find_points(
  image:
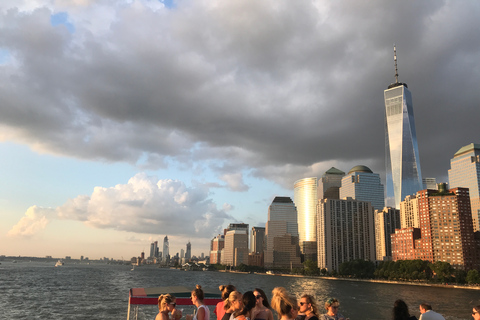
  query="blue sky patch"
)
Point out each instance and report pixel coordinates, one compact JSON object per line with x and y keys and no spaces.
{"x":61,"y":18}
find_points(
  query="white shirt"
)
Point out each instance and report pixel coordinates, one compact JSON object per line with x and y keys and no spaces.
{"x":431,"y":315}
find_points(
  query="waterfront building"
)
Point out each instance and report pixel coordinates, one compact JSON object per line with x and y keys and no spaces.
{"x":403,"y":243}
{"x":429,"y":183}
{"x":166,"y":253}
{"x":257,"y":239}
{"x":256,"y":259}
{"x":182,"y":254}
{"x":446,"y":229}
{"x":188,"y":252}
{"x":237,"y":226}
{"x":386,"y":221}
{"x":362,"y":184}
{"x":330,"y":183}
{"x":403,"y":173}
{"x":236,"y":247}
{"x":305,"y":197}
{"x":409,"y":214}
{"x":217,"y":244}
{"x":152,"y":249}
{"x":282,"y":244}
{"x":465,"y":172}
{"x":346,"y":231}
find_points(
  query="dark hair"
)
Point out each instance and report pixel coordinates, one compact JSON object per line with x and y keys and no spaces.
{"x":264,"y":296}
{"x":249,"y":302}
{"x":426,"y":306}
{"x":226,"y":290}
{"x":198,"y":292}
{"x":477,"y":308}
{"x":400,"y":310}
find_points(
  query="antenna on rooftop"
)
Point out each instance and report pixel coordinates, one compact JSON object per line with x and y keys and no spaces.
{"x":395,"y":59}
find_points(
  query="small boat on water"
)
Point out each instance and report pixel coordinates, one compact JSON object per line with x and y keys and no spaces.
{"x":149,"y":296}
{"x":59,"y":263}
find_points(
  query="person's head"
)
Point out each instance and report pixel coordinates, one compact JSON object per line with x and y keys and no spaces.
{"x":424,"y":307}
{"x":197,"y":294}
{"x":332,"y":305}
{"x":261,"y":298}
{"x":248,"y":302}
{"x":476,"y":313}
{"x":400,"y":310}
{"x":166,"y":302}
{"x":307,"y":304}
{"x":283,"y":303}
{"x":234,"y":301}
{"x":226,"y":290}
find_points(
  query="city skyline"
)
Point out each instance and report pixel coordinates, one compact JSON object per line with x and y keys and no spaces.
{"x":123,"y":121}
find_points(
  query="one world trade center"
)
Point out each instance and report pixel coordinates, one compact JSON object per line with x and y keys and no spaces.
{"x":403,"y":174}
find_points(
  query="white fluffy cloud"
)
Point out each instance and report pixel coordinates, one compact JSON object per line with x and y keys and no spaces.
{"x":143,"y":205}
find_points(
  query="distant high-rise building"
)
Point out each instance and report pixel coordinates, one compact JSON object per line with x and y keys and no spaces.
{"x":257,"y":239}
{"x":166,"y":253}
{"x":236,"y":247}
{"x":152,"y":250}
{"x":429,"y":183}
{"x":217,"y":245}
{"x":403,"y":173}
{"x":446,"y":230}
{"x":465,"y":172}
{"x":362,"y":184}
{"x":182,"y":253}
{"x":346,"y":231}
{"x":409,"y":214}
{"x":282,"y":246}
{"x":188,"y":252}
{"x":305,"y":197}
{"x":386,"y":221}
{"x":330,"y":183}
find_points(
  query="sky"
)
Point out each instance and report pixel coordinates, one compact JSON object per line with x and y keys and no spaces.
{"x":122,"y":122}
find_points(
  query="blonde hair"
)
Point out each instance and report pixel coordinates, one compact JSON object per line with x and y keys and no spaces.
{"x":163,"y":300}
{"x":234,"y":295}
{"x":282,"y":302}
{"x":312,"y":302}
{"x":226,"y":290}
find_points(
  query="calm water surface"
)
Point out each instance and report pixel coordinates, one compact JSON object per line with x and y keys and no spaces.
{"x":78,"y":291}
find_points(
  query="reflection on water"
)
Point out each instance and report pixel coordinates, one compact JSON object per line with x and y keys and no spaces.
{"x":41,"y":291}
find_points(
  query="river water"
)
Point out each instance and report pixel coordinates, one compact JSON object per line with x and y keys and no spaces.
{"x":37,"y":290}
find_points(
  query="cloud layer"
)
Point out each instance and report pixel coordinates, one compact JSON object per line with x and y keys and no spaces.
{"x":143,"y":205}
{"x":280,"y":90}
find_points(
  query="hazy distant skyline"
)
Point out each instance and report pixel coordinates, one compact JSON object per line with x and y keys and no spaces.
{"x":125,"y":121}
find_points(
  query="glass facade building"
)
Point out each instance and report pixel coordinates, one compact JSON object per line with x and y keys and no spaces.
{"x":403,"y":173}
{"x":465,"y":172}
{"x":362,"y":184}
{"x":305,"y":197}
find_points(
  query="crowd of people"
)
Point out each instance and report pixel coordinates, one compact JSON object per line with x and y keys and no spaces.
{"x":254,"y":305}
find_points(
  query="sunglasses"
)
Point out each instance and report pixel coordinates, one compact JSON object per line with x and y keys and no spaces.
{"x":473,"y":313}
{"x":302,"y":303}
{"x":173,"y":304}
{"x":258,"y":297}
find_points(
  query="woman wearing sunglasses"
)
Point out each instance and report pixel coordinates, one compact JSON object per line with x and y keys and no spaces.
{"x":262,"y":310}
{"x":307,"y":308}
{"x":332,"y":305}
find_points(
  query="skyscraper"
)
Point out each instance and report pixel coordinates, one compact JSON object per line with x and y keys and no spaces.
{"x":305,"y":198}
{"x":257,"y":240}
{"x":402,"y":159}
{"x":166,"y":253}
{"x":188,"y":252}
{"x":362,"y":184}
{"x":465,"y":172}
{"x":386,"y":221}
{"x":282,"y":249}
{"x":330,"y":183}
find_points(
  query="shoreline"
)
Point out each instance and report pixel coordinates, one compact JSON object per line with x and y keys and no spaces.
{"x":421,"y":284}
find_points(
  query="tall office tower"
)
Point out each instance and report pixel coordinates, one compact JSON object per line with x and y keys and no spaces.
{"x":188,"y":252}
{"x":182,"y":253}
{"x":152,"y":250}
{"x":362,"y":184}
{"x":409,"y":214}
{"x":166,"y":253}
{"x":465,"y":172}
{"x":402,"y":159}
{"x":429,"y":183}
{"x":155,"y":244}
{"x":217,"y":244}
{"x":386,"y":221}
{"x":305,"y":197}
{"x":257,"y":240}
{"x":330,"y":183}
{"x":282,"y":248}
{"x":236,"y":247}
{"x":446,"y":228}
{"x":346,"y":231}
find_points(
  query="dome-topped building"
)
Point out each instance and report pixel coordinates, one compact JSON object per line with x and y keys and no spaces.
{"x":362,"y":184}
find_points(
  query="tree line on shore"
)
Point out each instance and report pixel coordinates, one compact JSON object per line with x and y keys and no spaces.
{"x":400,"y":270}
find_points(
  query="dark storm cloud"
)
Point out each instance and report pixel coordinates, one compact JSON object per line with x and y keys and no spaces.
{"x":284,"y":89}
